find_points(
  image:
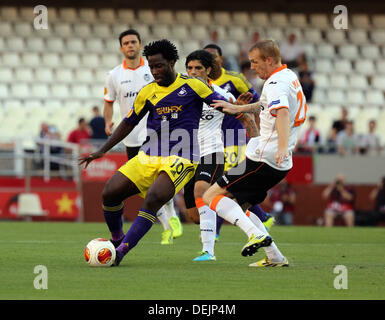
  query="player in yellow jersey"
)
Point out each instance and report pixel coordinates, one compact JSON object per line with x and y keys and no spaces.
{"x":169,"y":156}
{"x":122,"y":86}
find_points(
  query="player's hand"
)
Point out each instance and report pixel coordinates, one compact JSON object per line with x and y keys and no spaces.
{"x":225,"y":107}
{"x":88,"y":158}
{"x":244,"y":98}
{"x":280,"y":156}
{"x":108,"y":128}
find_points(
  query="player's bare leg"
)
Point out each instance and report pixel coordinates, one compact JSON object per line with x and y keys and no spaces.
{"x":161,"y":191}
{"x":117,"y":189}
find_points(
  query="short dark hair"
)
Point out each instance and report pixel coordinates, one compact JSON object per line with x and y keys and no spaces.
{"x":214,"y":46}
{"x":167,"y":49}
{"x":128,"y":32}
{"x":205,"y":58}
{"x":81,"y":120}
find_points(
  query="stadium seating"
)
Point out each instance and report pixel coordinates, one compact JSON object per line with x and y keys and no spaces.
{"x":65,"y":66}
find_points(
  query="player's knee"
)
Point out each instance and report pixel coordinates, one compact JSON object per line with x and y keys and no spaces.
{"x":209,"y":195}
{"x":200,"y":188}
{"x":108,"y":194}
{"x":156,"y":199}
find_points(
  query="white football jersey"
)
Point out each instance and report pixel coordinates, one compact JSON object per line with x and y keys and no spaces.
{"x":210,"y":132}
{"x":281,"y":90}
{"x":122,"y":85}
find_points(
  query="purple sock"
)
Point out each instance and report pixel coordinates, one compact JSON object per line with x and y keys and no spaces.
{"x":257,"y":210}
{"x":142,"y":223}
{"x":113,"y":216}
{"x":219,"y":224}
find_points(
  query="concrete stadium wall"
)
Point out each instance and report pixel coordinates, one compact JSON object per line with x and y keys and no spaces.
{"x":357,"y":169}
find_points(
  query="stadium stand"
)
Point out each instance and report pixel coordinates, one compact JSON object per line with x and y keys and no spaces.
{"x":65,"y":66}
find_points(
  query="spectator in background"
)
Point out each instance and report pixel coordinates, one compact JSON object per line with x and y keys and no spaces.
{"x":81,"y":134}
{"x":330,"y":145}
{"x":49,"y":132}
{"x":292,"y":52}
{"x":378,"y":196}
{"x":283,"y":198}
{"x":97,"y":125}
{"x":339,"y":124}
{"x":370,"y":143}
{"x":245,"y":47}
{"x":306,"y":80}
{"x":311,"y":138}
{"x":229,"y":62}
{"x":340,"y":199}
{"x":347,"y":140}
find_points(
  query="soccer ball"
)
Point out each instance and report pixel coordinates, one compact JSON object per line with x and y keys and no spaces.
{"x":100,"y":252}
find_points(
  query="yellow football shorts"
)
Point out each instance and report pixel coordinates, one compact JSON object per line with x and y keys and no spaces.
{"x":144,"y":169}
{"x":234,"y":155}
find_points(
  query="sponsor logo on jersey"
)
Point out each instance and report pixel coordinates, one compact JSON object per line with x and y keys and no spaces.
{"x":131,"y":94}
{"x":272,"y":82}
{"x":147,"y":77}
{"x":125,"y":81}
{"x":167,"y":110}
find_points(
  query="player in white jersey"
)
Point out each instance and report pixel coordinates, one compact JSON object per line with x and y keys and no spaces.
{"x":122,"y":85}
{"x":211,"y":165}
{"x":282,"y":109}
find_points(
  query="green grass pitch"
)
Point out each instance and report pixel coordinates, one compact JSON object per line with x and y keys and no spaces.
{"x":155,"y":272}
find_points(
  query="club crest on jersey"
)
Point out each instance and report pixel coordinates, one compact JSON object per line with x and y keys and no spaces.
{"x":146,"y":77}
{"x":182,"y":92}
{"x":227,"y":87}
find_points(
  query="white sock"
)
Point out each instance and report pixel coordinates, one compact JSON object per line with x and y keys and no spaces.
{"x":230,"y":211}
{"x":162,"y":216}
{"x":271,"y":251}
{"x":170,"y":209}
{"x":208,"y":225}
{"x":257,"y":222}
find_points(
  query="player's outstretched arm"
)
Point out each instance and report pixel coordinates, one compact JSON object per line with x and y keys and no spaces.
{"x":118,"y":135}
{"x":232,"y":109}
{"x":249,"y":123}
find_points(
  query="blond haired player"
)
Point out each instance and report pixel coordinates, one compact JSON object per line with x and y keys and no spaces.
{"x":282,"y":109}
{"x":122,"y":85}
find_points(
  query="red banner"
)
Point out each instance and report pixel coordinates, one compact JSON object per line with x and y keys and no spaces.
{"x":57,"y":205}
{"x":302,"y":171}
{"x":104,"y":168}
